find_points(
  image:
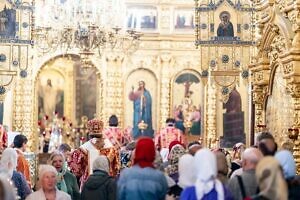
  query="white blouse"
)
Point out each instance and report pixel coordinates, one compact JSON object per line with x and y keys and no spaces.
{"x":39,"y":195}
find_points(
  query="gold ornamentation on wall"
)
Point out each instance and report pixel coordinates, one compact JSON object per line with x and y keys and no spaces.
{"x":114,"y":92}
{"x":164,"y":53}
{"x":211,"y":122}
{"x":166,"y":63}
{"x":274,"y":69}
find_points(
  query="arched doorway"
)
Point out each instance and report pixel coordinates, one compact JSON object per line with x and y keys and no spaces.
{"x":66,"y":92}
{"x":279,"y":108}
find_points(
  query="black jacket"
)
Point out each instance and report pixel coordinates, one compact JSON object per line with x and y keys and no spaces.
{"x":99,"y":186}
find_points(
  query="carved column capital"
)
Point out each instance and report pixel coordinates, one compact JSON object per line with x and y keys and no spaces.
{"x":258,"y":94}
{"x":114,"y":57}
{"x":294,"y":90}
{"x":166,"y":58}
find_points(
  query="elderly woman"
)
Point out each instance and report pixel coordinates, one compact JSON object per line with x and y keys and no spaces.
{"x":8,"y":164}
{"x":207,"y":186}
{"x":66,"y":181}
{"x":48,"y":191}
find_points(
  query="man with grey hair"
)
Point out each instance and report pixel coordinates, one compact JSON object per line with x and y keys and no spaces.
{"x":100,"y":185}
{"x":245,"y":185}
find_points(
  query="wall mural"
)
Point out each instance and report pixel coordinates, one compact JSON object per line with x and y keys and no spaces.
{"x":50,"y":93}
{"x":233,"y":121}
{"x":141,"y":99}
{"x":7,"y":22}
{"x":86,"y":92}
{"x":187,"y":96}
{"x":225,"y":28}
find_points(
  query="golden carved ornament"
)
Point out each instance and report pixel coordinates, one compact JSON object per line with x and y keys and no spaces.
{"x":288,"y":68}
{"x":294,"y":90}
{"x":258,"y":94}
{"x":277,"y":47}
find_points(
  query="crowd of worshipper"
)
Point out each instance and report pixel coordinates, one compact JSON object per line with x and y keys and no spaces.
{"x":113,"y":166}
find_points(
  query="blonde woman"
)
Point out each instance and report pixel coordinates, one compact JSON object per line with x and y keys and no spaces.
{"x":66,"y":181}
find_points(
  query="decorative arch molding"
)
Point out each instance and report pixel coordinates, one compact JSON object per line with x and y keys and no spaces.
{"x":40,"y":67}
{"x":52,"y":58}
{"x":186,"y":70}
{"x":269,"y":90}
{"x":276,"y":24}
{"x":126,"y":75}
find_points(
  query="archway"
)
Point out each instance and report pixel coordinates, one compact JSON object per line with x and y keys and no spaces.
{"x":74,"y":92}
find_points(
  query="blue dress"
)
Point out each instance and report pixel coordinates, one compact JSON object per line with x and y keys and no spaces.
{"x":138,"y":183}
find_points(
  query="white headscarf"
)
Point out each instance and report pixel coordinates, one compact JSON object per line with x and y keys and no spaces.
{"x":186,"y":171}
{"x":10,"y":192}
{"x":101,"y":163}
{"x":9,"y":160}
{"x":206,"y":168}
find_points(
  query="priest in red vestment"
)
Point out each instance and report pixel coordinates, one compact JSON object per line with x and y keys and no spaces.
{"x":115,"y":135}
{"x":169,"y":134}
{"x":82,"y":159}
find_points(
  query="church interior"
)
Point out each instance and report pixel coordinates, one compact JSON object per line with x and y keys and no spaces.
{"x":224,"y":70}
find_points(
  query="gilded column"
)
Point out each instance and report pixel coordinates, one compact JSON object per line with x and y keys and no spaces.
{"x":260,"y":80}
{"x":211,"y":115}
{"x":167,"y":62}
{"x":258,"y":94}
{"x":114,"y":88}
{"x":22,"y":114}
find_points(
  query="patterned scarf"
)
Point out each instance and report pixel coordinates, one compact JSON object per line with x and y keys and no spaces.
{"x":176,"y":152}
{"x":61,"y":184}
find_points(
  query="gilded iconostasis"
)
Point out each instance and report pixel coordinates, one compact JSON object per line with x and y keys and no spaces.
{"x":208,"y":64}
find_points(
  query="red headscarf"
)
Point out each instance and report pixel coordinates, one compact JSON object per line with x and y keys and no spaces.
{"x":144,"y":152}
{"x":175,"y":142}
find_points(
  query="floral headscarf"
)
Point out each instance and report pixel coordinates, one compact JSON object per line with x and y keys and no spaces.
{"x":176,"y":152}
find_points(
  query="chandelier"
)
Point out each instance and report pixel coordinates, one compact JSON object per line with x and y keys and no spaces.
{"x":83,"y":25}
